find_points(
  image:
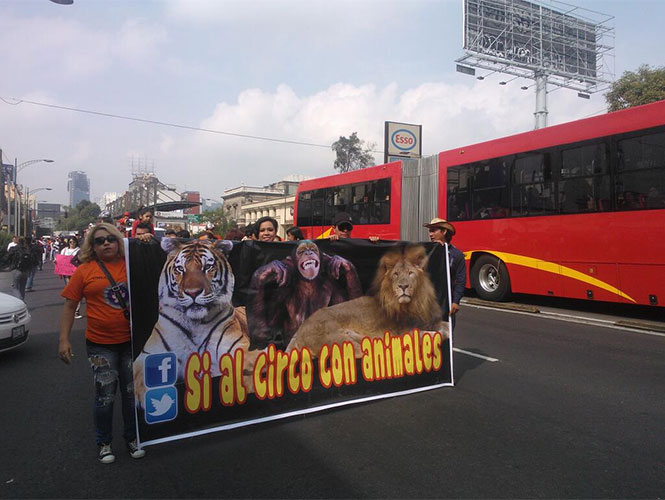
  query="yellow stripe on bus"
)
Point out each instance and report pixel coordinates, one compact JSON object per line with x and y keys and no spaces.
{"x":551,"y":267}
{"x":325,"y":234}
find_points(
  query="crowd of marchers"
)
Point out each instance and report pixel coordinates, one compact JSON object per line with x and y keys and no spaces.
{"x":93,"y":268}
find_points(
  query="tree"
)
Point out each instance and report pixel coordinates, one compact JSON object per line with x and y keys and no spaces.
{"x":352,"y":153}
{"x":635,"y":88}
{"x":217,"y":218}
{"x":79,"y":217}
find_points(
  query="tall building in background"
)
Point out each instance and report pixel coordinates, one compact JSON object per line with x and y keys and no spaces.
{"x":78,"y":186}
{"x":108,"y":198}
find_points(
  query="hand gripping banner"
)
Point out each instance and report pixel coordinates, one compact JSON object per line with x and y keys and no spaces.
{"x":227,"y":334}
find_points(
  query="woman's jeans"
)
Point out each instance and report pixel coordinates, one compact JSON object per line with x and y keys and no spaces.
{"x":112,"y":364}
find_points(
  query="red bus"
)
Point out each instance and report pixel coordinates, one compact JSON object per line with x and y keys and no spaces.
{"x":574,"y":210}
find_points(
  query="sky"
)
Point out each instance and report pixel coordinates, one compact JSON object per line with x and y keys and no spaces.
{"x":306,"y":71}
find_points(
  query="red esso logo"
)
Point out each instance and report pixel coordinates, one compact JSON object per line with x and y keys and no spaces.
{"x":403,"y":139}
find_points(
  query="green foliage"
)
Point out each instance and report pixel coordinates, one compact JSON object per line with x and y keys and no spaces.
{"x":5,"y":238}
{"x":635,"y":88}
{"x":221,"y":224}
{"x":5,"y":262}
{"x":79,"y":217}
{"x":352,"y":154}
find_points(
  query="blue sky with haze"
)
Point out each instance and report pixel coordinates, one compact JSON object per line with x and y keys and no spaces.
{"x":299,"y":70}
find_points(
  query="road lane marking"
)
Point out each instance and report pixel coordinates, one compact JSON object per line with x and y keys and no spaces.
{"x":486,"y":358}
{"x":572,"y":319}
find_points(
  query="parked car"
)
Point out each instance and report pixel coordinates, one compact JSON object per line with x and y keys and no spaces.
{"x":14,"y":322}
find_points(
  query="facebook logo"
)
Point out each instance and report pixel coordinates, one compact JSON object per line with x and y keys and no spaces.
{"x":161,"y":405}
{"x":160,"y":369}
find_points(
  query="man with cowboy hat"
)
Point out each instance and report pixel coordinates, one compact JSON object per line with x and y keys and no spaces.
{"x":442,"y":231}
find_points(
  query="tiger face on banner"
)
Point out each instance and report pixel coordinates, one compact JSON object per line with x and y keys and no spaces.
{"x":195,"y":310}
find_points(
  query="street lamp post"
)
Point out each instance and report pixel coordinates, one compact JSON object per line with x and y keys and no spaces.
{"x":17,"y":203}
{"x":27,"y":205}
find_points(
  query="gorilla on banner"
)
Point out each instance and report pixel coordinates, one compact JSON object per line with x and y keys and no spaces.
{"x":286,"y":292}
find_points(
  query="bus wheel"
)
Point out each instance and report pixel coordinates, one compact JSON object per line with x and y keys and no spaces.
{"x":490,"y":278}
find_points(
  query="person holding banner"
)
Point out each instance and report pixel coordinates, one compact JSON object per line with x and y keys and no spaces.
{"x":342,"y":226}
{"x":102,"y":280}
{"x":266,"y":229}
{"x":441,"y":231}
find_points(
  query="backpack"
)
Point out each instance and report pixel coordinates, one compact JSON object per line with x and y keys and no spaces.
{"x":24,"y":260}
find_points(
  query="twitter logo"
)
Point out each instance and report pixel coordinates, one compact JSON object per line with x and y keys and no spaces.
{"x":161,"y":405}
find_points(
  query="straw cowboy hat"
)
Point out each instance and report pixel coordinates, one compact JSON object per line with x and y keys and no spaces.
{"x":437,"y":223}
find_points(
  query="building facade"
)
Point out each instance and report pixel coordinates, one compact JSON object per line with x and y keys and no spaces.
{"x":244,"y":203}
{"x":48,"y":215}
{"x":280,"y":209}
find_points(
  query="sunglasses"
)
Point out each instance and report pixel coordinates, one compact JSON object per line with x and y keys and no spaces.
{"x":345,"y":227}
{"x":100,"y":240}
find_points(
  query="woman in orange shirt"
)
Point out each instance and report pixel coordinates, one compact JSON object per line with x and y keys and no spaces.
{"x":107,"y":333}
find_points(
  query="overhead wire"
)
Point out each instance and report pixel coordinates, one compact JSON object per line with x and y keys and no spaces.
{"x":163,"y":123}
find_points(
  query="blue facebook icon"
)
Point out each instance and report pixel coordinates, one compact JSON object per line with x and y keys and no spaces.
{"x":160,"y":369}
{"x":161,"y":404}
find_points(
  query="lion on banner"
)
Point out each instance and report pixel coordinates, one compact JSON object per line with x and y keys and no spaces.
{"x":402,"y":299}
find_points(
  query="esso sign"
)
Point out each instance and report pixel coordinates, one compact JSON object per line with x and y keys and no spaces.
{"x":403,"y":139}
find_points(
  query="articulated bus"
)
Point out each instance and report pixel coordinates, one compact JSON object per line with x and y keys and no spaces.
{"x":574,"y":210}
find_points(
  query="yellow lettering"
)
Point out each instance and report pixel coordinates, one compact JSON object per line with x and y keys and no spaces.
{"x":397,"y":358}
{"x":437,"y":362}
{"x":416,"y":351}
{"x":241,"y":392}
{"x":306,"y":370}
{"x":260,"y":384}
{"x":368,"y":368}
{"x":336,"y":365}
{"x":379,"y":360}
{"x":282,"y":364}
{"x":193,"y":386}
{"x":408,"y":354}
{"x":226,"y":385}
{"x":206,"y":381}
{"x":427,"y":352}
{"x":387,"y":354}
{"x":324,"y":371}
{"x":293,"y":377}
{"x":349,"y":363}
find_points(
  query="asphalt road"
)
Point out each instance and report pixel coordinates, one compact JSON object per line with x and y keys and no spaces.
{"x":568,"y":411}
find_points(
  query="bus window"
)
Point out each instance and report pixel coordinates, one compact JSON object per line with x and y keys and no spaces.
{"x":640,"y":181}
{"x":490,"y":191}
{"x":318,"y":207}
{"x":532,"y":185}
{"x":304,"y":209}
{"x":459,"y":207}
{"x":584,"y":184}
{"x":646,"y":151}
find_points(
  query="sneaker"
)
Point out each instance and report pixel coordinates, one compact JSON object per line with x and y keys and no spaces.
{"x":77,"y":315}
{"x":134,"y":450}
{"x":106,"y":455}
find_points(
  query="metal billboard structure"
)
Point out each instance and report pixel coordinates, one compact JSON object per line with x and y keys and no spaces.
{"x":548,"y":42}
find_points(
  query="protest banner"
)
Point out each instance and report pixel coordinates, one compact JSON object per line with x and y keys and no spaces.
{"x":227,"y":334}
{"x":63,"y":265}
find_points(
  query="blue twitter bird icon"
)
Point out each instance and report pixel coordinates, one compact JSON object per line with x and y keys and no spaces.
{"x":161,"y":405}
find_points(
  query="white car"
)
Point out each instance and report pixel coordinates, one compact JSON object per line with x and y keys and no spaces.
{"x":14,"y":322}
